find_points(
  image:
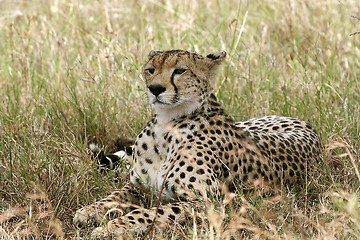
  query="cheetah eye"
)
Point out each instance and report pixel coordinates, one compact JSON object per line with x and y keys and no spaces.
{"x":150,"y":70}
{"x":179,"y":71}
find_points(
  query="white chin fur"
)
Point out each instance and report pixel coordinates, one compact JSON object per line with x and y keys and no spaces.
{"x":168,"y":112}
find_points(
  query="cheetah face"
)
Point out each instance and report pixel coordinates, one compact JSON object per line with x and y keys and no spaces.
{"x":179,"y":81}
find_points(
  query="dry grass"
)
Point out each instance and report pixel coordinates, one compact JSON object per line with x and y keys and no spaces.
{"x":70,"y":73}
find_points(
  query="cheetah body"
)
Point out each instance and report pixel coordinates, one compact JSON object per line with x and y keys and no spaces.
{"x":192,"y":148}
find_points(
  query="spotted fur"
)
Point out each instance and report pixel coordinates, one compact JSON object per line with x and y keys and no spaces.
{"x":192,"y":147}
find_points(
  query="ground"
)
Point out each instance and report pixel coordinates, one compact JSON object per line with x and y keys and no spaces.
{"x":70,"y":73}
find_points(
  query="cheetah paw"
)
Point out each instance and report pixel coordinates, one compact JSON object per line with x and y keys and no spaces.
{"x":85,"y":216}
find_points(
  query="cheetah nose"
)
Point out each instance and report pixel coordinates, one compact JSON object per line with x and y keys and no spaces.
{"x":156,"y":89}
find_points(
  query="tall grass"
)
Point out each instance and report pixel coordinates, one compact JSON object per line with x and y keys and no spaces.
{"x":70,"y":73}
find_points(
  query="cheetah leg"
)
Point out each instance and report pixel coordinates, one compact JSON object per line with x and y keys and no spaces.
{"x":114,"y":205}
{"x":139,"y":220}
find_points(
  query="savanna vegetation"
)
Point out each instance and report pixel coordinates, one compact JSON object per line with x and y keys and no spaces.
{"x":71,"y":73}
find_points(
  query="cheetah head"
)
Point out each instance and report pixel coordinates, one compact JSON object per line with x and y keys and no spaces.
{"x":179,"y":81}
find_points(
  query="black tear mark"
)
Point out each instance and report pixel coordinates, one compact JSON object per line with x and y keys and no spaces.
{"x":176,"y":97}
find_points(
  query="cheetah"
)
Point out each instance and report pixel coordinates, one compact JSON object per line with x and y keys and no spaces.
{"x":191,"y":148}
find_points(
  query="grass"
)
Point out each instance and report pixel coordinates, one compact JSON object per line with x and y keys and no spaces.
{"x":70,"y":73}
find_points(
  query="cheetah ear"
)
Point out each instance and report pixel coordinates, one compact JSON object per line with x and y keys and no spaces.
{"x":218,"y":57}
{"x":152,"y":53}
